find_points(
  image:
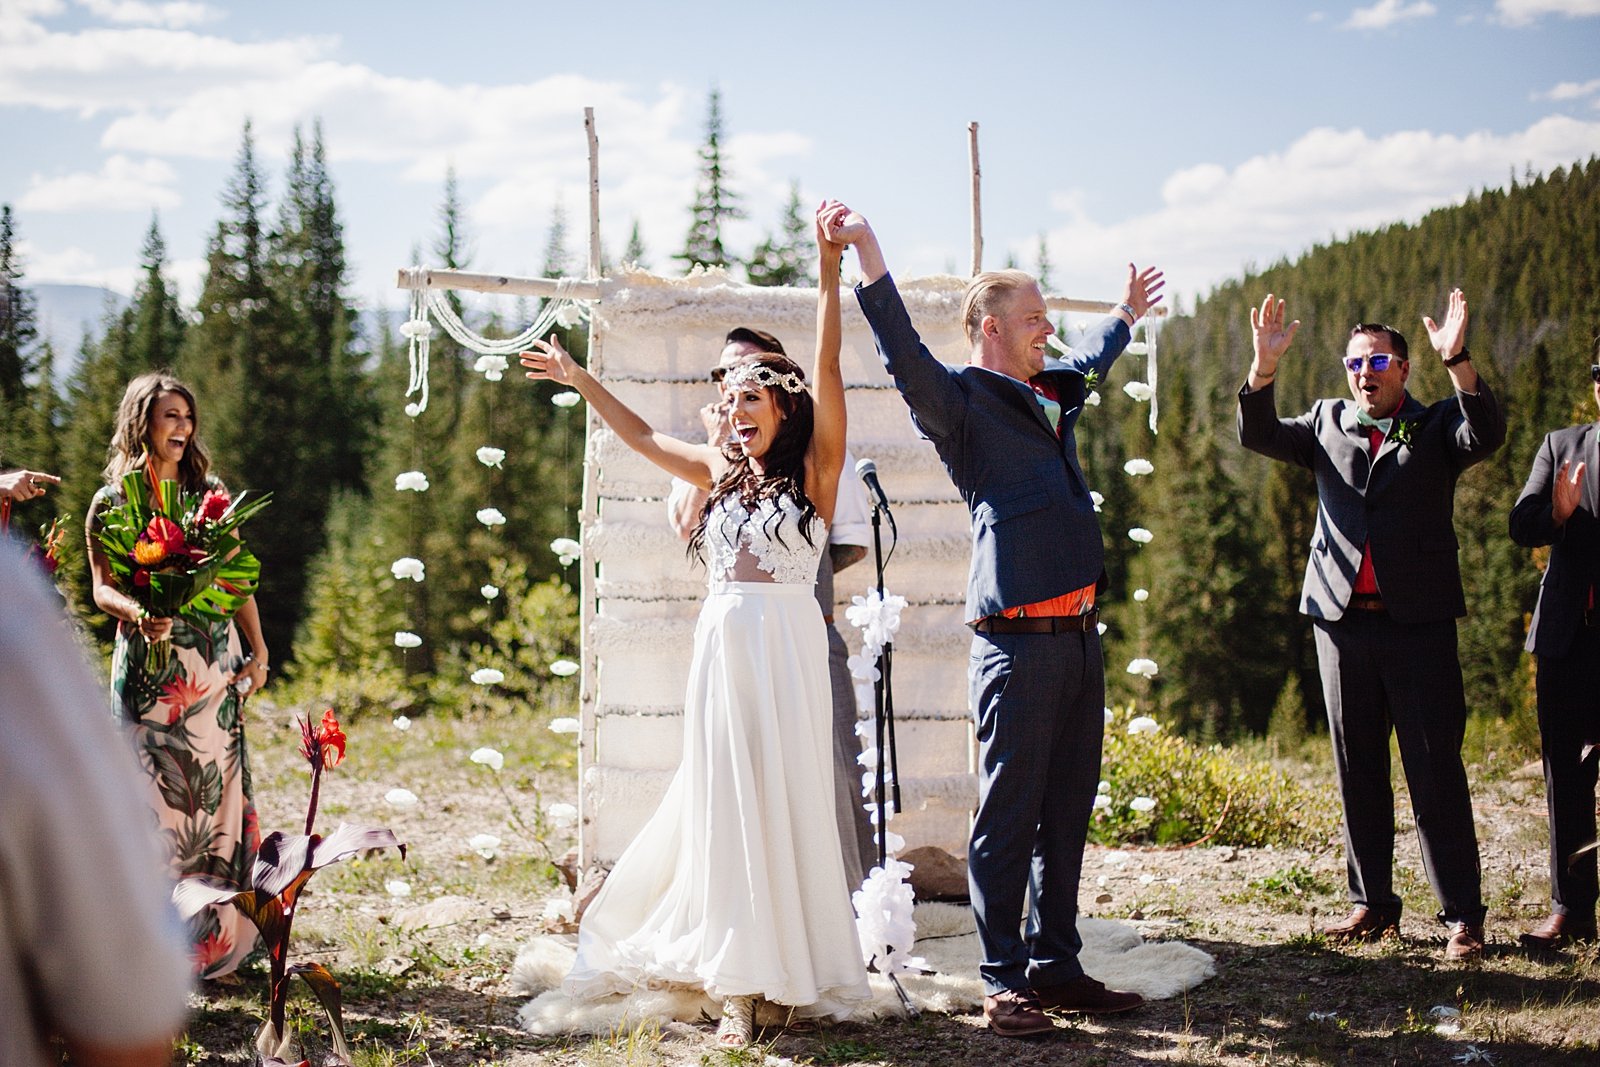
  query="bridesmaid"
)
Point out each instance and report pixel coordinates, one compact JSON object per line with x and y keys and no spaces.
{"x":186,"y":715}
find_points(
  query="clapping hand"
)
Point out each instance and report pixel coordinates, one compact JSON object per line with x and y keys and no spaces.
{"x":1567,"y":492}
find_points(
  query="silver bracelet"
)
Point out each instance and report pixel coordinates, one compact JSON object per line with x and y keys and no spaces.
{"x":1129,"y":309}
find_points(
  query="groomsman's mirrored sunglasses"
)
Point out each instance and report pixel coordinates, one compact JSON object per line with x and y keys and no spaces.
{"x":1594,"y":373}
{"x":1379,"y":361}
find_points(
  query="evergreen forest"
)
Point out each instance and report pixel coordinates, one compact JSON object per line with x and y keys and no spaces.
{"x":297,"y":400}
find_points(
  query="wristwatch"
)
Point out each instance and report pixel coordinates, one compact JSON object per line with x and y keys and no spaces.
{"x":1460,"y":357}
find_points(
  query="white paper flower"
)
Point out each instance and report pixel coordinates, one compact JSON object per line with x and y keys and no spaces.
{"x":491,"y":457}
{"x":1141,"y":595}
{"x":566,"y":400}
{"x":1144,"y":724}
{"x":561,"y":816}
{"x":1101,"y":801}
{"x":1136,"y":467}
{"x":488,"y":592}
{"x":415,"y":481}
{"x":406,"y":639}
{"x":416,"y":329}
{"x":1093,"y":399}
{"x":566,"y":550}
{"x":413,"y":409}
{"x":1100,"y":628}
{"x":400,"y":798}
{"x":558,"y":910}
{"x":563,"y":668}
{"x":489,"y":757}
{"x":1096,"y":499}
{"x":1144,"y":667}
{"x":487,"y":676}
{"x":1136,"y":348}
{"x":864,"y":667}
{"x":491,"y":367}
{"x":491,"y":517}
{"x":1142,"y":804}
{"x":1103,"y":787}
{"x":398,"y":887}
{"x":406,"y":567}
{"x":564,"y":726}
{"x":484,"y":845}
{"x":402,"y":723}
{"x":876,"y":616}
{"x":568,"y":316}
{"x":1141,"y":535}
{"x":1139,"y":391}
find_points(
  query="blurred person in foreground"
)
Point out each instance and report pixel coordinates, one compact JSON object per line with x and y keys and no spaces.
{"x":107,"y":973}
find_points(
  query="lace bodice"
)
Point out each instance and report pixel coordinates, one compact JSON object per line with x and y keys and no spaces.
{"x":763,"y":545}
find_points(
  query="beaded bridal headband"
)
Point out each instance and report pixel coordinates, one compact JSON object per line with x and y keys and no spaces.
{"x":763,"y":375}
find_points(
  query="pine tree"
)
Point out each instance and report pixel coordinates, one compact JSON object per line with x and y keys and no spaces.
{"x":785,"y":259}
{"x":157,"y":325}
{"x":557,"y":257}
{"x":1042,"y":267}
{"x":714,"y":203}
{"x":18,"y":329}
{"x":634,"y":254}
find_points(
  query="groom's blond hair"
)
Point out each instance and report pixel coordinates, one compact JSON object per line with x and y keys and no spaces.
{"x":986,"y":294}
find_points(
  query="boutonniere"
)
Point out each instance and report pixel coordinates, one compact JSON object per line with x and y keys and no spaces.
{"x":1403,"y":429}
{"x":1091,"y":380}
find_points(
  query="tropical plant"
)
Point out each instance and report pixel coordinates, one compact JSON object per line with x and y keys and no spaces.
{"x":284,"y":864}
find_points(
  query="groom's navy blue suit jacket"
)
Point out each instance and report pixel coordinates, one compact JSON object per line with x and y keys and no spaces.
{"x":1034,"y":530}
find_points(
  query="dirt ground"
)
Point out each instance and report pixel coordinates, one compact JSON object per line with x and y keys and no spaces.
{"x":441,"y":996}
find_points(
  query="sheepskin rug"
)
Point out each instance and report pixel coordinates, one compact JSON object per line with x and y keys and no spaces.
{"x":946,"y":939}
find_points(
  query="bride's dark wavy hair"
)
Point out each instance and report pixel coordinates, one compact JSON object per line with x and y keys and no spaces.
{"x":785,"y":460}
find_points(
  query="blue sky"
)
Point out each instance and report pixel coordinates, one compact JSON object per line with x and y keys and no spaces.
{"x":1197,"y":136}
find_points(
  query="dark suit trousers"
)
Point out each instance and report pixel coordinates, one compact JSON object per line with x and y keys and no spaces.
{"x":1568,"y":689}
{"x":855,"y":828}
{"x":1379,"y":675}
{"x":1039,"y":702}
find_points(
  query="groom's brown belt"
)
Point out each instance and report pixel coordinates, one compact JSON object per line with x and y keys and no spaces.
{"x":1049,"y":624}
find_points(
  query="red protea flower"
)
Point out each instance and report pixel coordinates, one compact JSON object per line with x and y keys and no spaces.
{"x":214,"y":505}
{"x":325,"y":744}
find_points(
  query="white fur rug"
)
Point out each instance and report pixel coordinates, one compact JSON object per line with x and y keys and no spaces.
{"x":1112,"y":952}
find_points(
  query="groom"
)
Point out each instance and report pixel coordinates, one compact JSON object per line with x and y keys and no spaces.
{"x":1003,"y":425}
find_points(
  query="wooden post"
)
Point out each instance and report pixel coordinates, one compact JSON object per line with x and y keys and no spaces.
{"x":594,"y":193}
{"x":977,"y":200}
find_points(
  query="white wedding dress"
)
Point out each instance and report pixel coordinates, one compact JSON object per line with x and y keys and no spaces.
{"x":735,"y":885}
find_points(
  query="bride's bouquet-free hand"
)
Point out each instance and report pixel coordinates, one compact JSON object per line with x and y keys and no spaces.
{"x":180,"y":553}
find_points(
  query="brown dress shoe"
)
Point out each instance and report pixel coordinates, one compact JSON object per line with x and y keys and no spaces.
{"x":1085,"y":996}
{"x":1466,"y":942}
{"x":1558,"y":931}
{"x":1362,"y":924}
{"x":1016,"y":1014}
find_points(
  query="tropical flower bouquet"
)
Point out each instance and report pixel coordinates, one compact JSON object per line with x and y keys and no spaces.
{"x":179,"y":553}
{"x":284,"y":864}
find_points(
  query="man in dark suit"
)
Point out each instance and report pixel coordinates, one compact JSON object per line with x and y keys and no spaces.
{"x":1559,"y":507}
{"x":1003,"y":425}
{"x":1383,"y":585}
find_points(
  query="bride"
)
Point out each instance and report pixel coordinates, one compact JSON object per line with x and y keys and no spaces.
{"x":735,"y":885}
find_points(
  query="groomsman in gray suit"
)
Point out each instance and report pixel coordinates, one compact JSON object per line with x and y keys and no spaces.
{"x":1383,"y":585}
{"x":1559,"y":507}
{"x":1003,"y":424}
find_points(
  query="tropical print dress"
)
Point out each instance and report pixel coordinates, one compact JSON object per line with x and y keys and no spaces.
{"x":188,"y":727}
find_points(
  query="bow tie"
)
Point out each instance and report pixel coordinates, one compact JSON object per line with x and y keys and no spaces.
{"x":1381,"y":425}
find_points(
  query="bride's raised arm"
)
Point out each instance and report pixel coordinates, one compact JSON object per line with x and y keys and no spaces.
{"x":697,"y":464}
{"x":826,"y":454}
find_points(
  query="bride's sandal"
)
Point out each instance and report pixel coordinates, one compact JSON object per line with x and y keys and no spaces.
{"x":738,"y":1022}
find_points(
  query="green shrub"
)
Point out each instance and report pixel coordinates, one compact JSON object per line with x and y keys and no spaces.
{"x":1205,"y":793}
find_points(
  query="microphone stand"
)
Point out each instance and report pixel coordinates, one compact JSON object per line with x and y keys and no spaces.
{"x":887,"y":785}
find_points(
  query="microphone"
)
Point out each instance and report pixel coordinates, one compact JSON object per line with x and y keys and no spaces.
{"x":867,"y":471}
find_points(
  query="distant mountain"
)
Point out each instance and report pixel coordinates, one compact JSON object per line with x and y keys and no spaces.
{"x":66,"y":313}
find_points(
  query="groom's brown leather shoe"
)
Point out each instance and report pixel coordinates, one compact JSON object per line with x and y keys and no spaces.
{"x":1011,"y":1013}
{"x":1362,"y":924}
{"x":1466,"y":941}
{"x":1558,"y":931}
{"x":1085,"y":996}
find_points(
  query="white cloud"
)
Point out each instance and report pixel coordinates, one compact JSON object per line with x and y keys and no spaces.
{"x":135,"y":12}
{"x":1214,"y":221}
{"x":122,"y":184}
{"x":1386,"y":13}
{"x":1522,"y":12}
{"x":1570,"y":90}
